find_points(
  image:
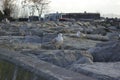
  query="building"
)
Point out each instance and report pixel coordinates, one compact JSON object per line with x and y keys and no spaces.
{"x":75,"y":16}
{"x":82,"y":16}
{"x":53,"y":16}
{"x":34,"y":18}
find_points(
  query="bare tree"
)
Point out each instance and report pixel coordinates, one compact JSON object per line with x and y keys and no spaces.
{"x":8,"y":7}
{"x":41,"y":6}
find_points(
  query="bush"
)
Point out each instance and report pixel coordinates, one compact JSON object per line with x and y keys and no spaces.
{"x":1,"y":16}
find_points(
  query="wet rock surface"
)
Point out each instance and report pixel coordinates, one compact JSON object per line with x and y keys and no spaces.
{"x":91,"y":53}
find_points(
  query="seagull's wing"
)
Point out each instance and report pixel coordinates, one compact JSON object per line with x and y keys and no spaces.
{"x":54,"y":40}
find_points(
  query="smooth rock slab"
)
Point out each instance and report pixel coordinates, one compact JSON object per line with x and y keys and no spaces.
{"x":44,"y":69}
{"x":59,"y":57}
{"x":100,"y":71}
{"x":106,"y":52}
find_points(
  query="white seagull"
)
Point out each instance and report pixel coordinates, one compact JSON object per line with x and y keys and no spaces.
{"x":58,"y":41}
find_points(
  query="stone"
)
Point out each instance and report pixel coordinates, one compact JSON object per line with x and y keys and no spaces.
{"x":97,"y":37}
{"x":101,"y":31}
{"x":106,"y":52}
{"x":39,"y":68}
{"x":99,"y":70}
{"x":32,"y":39}
{"x":113,"y":36}
{"x":62,"y":58}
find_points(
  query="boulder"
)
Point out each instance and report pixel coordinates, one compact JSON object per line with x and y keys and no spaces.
{"x":99,"y":70}
{"x":113,"y":36}
{"x":106,"y":52}
{"x":97,"y":37}
{"x":32,"y":39}
{"x":101,"y":31}
{"x":61,"y":58}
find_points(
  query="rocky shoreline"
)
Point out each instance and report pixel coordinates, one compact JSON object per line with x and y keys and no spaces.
{"x":95,"y":53}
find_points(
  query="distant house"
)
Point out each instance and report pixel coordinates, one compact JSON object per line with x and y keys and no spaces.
{"x":53,"y":16}
{"x":75,"y":16}
{"x":82,"y":16}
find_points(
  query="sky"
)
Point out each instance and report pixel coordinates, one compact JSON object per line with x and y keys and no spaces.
{"x":107,"y":8}
{"x":102,"y":6}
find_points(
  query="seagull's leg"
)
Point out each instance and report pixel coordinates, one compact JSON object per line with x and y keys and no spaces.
{"x":62,"y":47}
{"x":55,"y":47}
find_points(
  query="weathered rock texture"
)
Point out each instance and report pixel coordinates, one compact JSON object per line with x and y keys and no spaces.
{"x":106,"y":52}
{"x":32,"y":39}
{"x":106,"y":57}
{"x":61,"y":58}
{"x":41,"y":69}
{"x":99,"y":70}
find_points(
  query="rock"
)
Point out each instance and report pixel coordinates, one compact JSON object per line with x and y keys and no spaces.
{"x":106,"y":52}
{"x":100,"y":71}
{"x":113,"y":36}
{"x":32,"y":39}
{"x":73,"y":43}
{"x":112,"y":27}
{"x":96,"y":43}
{"x":85,"y":59}
{"x":97,"y":37}
{"x":77,"y":35}
{"x":62,"y":58}
{"x":101,"y":31}
{"x":14,"y":65}
{"x":80,"y":23}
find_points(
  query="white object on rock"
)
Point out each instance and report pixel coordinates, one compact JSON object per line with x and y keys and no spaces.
{"x":84,"y":35}
{"x":78,"y":34}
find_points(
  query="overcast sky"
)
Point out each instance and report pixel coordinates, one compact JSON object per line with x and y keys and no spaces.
{"x":111,"y":7}
{"x":102,"y":6}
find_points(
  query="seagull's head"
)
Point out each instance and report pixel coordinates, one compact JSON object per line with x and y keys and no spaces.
{"x":78,"y":32}
{"x":60,"y":35}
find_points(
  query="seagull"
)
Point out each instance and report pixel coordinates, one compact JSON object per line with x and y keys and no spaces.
{"x":58,"y":41}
